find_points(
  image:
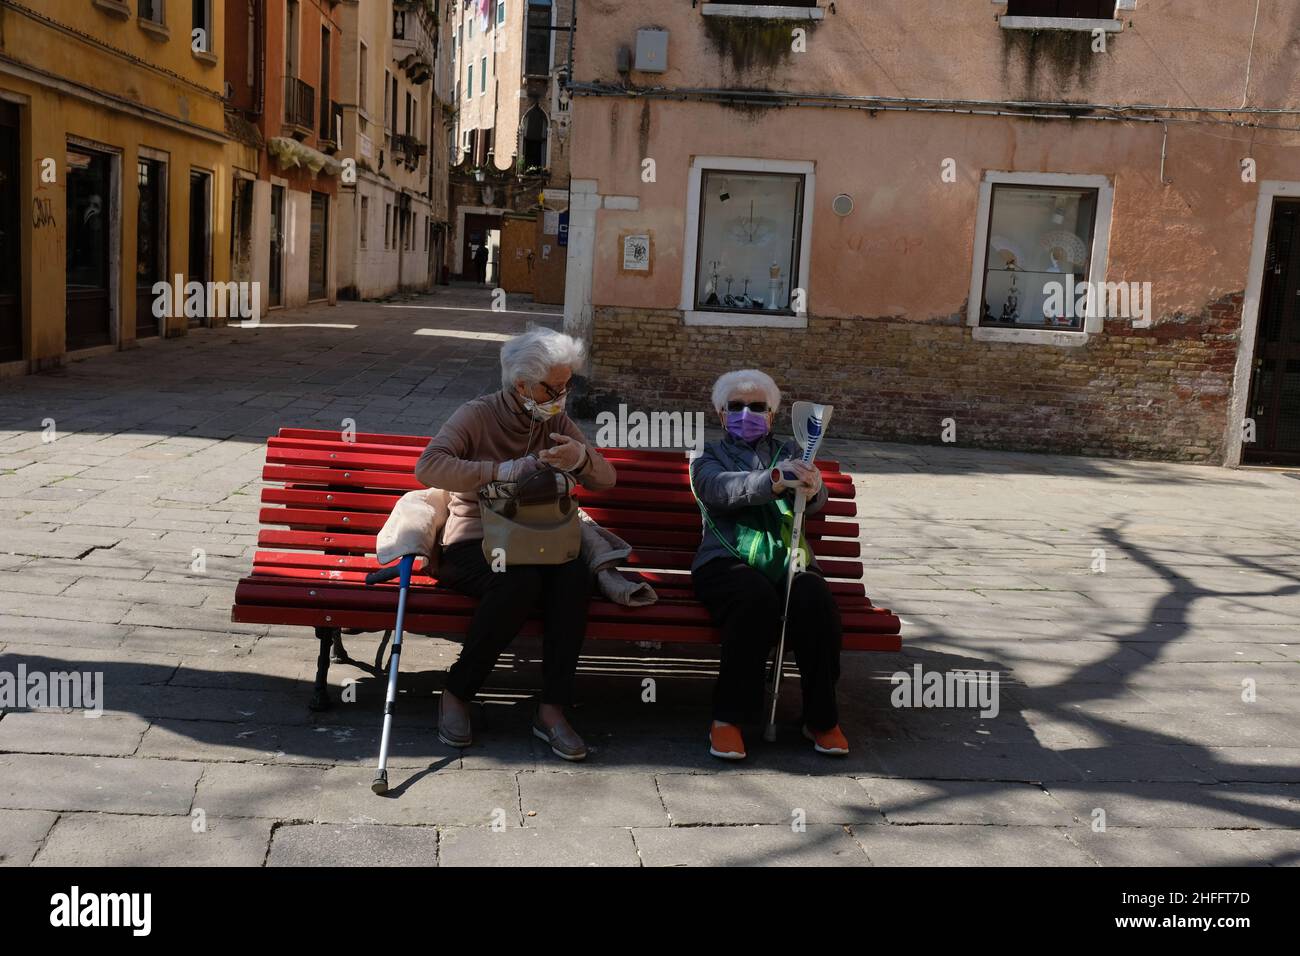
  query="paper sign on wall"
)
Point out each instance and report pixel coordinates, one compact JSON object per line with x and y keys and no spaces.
{"x":636,"y":253}
{"x":551,"y":222}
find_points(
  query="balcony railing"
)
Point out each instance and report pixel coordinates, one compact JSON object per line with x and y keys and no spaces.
{"x":409,"y":148}
{"x":299,"y":105}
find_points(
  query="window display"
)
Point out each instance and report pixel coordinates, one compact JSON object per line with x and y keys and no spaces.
{"x":1038,"y":239}
{"x":750,"y":224}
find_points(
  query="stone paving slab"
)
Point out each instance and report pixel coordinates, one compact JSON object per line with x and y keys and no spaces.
{"x":729,"y":800}
{"x":588,"y":846}
{"x":324,"y":844}
{"x":45,"y":732}
{"x":576,"y":799}
{"x":817,"y":845}
{"x":970,"y":846}
{"x":467,"y":798}
{"x":962,"y":801}
{"x":21,"y":834}
{"x":109,"y":839}
{"x":113,"y":784}
{"x":1255,"y":805}
{"x":1152,"y":846}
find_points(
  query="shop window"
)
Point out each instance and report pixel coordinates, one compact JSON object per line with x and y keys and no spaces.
{"x":1071,"y":9}
{"x":750,"y":241}
{"x":1040,"y":243}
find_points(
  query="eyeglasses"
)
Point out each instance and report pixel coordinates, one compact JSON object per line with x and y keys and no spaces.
{"x":556,"y":395}
{"x":736,"y":405}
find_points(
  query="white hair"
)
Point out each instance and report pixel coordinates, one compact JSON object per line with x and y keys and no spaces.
{"x":742,"y":380}
{"x":532,"y":355}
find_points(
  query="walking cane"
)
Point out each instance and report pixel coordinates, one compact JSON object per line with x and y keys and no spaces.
{"x":810,"y":423}
{"x":403,"y":570}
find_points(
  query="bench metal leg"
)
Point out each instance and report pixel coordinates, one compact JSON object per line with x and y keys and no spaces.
{"x":320,"y":698}
{"x":339,"y":653}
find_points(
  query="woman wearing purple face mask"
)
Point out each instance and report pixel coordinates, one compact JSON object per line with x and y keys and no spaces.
{"x":738,"y":483}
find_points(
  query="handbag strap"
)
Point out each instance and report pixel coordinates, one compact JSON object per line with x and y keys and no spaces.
{"x":708,"y":520}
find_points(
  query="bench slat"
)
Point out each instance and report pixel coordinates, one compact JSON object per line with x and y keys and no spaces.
{"x":328,"y":566}
{"x":439,"y":625}
{"x":343,"y":596}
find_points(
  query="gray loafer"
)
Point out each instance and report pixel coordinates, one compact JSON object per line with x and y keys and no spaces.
{"x":565,"y":743}
{"x":454,"y":731}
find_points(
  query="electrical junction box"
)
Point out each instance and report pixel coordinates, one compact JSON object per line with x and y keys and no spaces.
{"x":652,"y":51}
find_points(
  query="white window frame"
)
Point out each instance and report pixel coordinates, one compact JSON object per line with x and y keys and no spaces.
{"x":482,"y":75}
{"x":762,"y":11}
{"x":699,"y":165}
{"x":1092,"y":324}
{"x":1072,"y":24}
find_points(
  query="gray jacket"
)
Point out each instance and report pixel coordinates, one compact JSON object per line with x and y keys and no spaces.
{"x":732,"y":474}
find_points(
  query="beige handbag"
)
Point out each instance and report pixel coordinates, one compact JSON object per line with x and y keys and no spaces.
{"x":534,"y":521}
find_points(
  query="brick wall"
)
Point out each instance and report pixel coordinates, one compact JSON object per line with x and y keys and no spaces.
{"x":1157,"y":393}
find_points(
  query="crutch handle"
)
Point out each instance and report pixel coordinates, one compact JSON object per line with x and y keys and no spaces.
{"x":383,"y":574}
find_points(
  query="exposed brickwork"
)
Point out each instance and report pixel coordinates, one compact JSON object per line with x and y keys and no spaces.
{"x":1158,"y":393}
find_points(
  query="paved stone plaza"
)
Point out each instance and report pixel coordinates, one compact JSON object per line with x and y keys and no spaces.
{"x":1159,"y":696}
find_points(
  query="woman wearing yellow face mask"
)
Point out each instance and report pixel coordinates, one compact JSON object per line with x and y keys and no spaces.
{"x":507,"y":436}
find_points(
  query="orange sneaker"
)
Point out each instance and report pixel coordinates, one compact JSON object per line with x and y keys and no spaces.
{"x":830,"y":741}
{"x":725,"y":742}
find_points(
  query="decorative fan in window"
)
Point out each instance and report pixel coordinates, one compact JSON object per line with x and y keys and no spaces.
{"x":751,"y":230}
{"x":1064,"y":247}
{"x":1006,"y":254}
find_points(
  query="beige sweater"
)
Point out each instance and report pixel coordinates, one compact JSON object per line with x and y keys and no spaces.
{"x":463,"y":456}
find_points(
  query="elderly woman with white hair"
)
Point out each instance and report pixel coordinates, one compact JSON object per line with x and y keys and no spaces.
{"x":745,"y":485}
{"x":506,"y":436}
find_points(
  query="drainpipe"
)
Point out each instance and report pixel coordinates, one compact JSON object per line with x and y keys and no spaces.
{"x":401,"y":234}
{"x":259,"y":31}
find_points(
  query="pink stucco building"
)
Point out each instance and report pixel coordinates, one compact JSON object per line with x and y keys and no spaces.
{"x":1060,"y":225}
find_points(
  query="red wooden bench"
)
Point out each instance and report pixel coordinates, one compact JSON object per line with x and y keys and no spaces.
{"x":329,"y":498}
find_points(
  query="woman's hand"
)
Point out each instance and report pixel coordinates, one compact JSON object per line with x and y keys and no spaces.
{"x":518,"y":469}
{"x":807,"y":478}
{"x":567,"y":455}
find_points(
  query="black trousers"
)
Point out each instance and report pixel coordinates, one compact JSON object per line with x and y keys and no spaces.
{"x":747,"y":607}
{"x":506,"y":598}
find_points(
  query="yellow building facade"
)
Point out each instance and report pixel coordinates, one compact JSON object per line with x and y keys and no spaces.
{"x":114,"y":173}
